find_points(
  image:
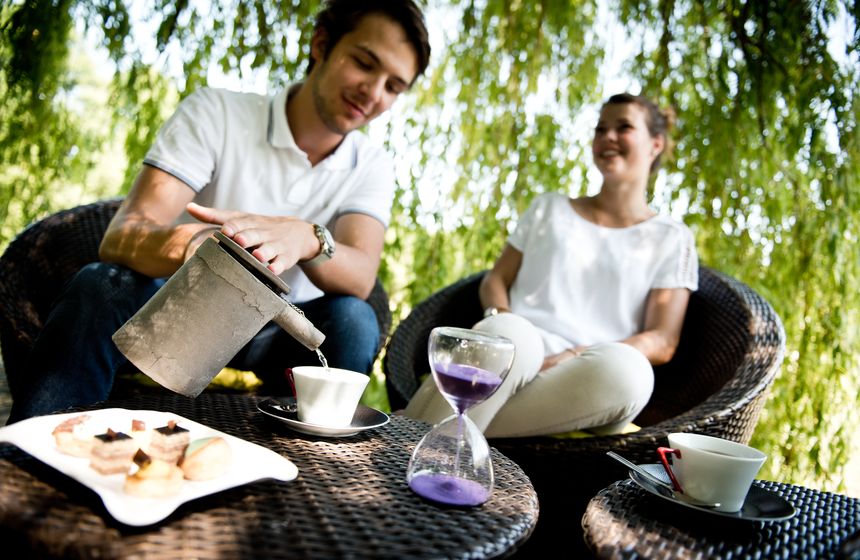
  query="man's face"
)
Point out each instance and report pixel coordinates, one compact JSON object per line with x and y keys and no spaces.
{"x":363,"y":74}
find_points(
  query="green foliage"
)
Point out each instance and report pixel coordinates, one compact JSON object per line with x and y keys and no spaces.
{"x":475,"y":116}
{"x":758,"y":97}
{"x":766,"y":135}
{"x":41,"y":141}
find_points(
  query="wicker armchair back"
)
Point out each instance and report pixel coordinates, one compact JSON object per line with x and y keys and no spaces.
{"x":730,"y":351}
{"x":35,"y":267}
{"x":37,"y":264}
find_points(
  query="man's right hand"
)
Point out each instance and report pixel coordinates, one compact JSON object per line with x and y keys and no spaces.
{"x":277,"y":241}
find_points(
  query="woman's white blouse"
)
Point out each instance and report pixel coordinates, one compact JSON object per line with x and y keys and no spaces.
{"x":581,"y":283}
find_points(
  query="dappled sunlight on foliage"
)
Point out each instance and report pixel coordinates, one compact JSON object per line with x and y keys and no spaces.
{"x":764,"y":167}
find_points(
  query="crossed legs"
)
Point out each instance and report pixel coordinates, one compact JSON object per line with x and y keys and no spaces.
{"x":601,"y":390}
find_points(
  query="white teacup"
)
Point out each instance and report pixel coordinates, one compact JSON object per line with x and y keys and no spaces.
{"x":712,"y":469}
{"x":327,"y":396}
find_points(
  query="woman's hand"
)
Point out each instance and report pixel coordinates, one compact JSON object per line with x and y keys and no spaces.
{"x":563,"y":356}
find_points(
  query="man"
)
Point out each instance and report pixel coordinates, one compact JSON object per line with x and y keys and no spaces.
{"x":290,"y":178}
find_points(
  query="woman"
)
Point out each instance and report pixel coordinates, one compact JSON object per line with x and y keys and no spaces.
{"x":592,"y":291}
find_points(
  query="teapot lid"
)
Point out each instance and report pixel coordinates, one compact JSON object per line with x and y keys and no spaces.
{"x":250,"y":262}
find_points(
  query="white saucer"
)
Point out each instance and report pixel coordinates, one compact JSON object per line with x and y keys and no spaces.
{"x":284,"y":409}
{"x":760,"y":504}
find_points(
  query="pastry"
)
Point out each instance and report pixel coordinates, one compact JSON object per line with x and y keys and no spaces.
{"x":168,"y":443}
{"x":154,"y":478}
{"x":140,"y":434}
{"x":74,"y":436}
{"x":206,"y":458}
{"x":112,"y":452}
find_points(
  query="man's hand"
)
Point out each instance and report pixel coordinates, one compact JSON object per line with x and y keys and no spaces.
{"x":278,"y":241}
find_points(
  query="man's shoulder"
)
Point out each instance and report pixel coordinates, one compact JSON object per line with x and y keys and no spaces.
{"x":366,"y":150}
{"x":225,"y":99}
{"x":362,"y":141}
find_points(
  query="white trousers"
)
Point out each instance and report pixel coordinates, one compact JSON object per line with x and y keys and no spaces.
{"x":601,"y":390}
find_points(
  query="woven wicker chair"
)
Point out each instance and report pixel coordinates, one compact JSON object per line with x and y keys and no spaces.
{"x":37,"y":264}
{"x":730,"y":351}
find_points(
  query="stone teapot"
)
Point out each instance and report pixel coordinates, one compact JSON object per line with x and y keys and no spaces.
{"x":205,"y":313}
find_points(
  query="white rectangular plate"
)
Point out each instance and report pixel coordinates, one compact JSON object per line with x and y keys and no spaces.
{"x":250,"y":461}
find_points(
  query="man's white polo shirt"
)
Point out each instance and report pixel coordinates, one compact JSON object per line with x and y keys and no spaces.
{"x":237,"y":152}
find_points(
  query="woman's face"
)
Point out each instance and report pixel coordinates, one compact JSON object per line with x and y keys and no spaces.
{"x":623,"y":148}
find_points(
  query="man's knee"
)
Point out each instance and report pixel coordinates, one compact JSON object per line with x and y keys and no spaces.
{"x":107,"y":291}
{"x":352,"y":323}
{"x":354,"y":314}
{"x":351,"y":330}
{"x":100,"y":280}
{"x":351,"y":305}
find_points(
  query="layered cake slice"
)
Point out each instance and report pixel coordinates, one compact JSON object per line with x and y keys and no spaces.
{"x":112,"y":452}
{"x":168,"y":443}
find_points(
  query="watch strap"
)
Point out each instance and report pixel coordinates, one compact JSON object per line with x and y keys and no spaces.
{"x":326,"y":246}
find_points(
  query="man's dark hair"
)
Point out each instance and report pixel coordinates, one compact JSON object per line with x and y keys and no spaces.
{"x":339,"y":17}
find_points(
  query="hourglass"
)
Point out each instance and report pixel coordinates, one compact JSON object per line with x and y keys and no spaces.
{"x":451,"y":464}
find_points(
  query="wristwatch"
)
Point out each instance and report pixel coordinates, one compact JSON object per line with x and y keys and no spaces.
{"x":490,"y":311}
{"x":326,"y":246}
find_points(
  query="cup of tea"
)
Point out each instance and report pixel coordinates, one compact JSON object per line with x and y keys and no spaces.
{"x":327,"y":396}
{"x":711,"y":469}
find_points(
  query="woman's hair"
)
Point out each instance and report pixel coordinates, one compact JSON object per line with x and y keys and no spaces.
{"x":659,"y":121}
{"x":339,"y":17}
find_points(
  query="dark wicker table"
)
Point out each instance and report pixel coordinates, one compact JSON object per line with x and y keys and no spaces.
{"x":624,"y":521}
{"x":350,"y":500}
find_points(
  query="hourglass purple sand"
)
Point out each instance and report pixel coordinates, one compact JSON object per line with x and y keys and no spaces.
{"x":451,"y":465}
{"x":465,"y":386}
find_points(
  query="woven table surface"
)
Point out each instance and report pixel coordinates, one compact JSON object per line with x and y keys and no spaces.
{"x":350,"y":500}
{"x":624,"y":521}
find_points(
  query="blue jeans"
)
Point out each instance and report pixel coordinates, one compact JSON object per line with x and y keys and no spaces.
{"x":74,"y":361}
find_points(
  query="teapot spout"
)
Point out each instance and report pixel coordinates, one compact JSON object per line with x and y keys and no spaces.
{"x":292,"y":320}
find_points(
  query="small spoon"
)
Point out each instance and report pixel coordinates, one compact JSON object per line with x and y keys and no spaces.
{"x":286,"y":407}
{"x":675,"y":495}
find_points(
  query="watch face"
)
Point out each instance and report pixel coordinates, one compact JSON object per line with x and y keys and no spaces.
{"x":326,"y":241}
{"x":326,"y":245}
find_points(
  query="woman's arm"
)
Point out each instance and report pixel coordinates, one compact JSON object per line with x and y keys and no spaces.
{"x":496,"y":283}
{"x":664,"y":317}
